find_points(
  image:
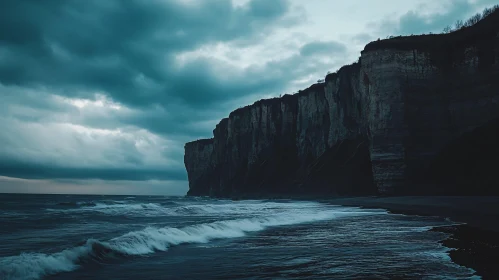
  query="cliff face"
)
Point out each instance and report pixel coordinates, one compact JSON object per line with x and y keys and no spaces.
{"x":198,"y":162}
{"x":383,"y":125}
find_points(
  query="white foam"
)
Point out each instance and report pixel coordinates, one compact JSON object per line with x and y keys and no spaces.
{"x":36,"y":265}
{"x":122,"y":209}
{"x":151,"y":239}
{"x":247,"y":207}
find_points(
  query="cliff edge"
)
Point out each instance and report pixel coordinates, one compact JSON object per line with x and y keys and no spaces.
{"x":415,"y":115}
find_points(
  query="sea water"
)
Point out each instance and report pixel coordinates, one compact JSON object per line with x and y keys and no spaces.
{"x":158,"y":237}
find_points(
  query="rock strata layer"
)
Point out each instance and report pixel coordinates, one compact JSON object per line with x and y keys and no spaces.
{"x":395,"y":122}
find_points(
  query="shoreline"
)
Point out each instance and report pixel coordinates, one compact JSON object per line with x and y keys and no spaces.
{"x":474,"y":243}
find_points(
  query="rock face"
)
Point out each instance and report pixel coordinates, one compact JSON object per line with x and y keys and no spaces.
{"x":393,"y":123}
{"x":199,"y":158}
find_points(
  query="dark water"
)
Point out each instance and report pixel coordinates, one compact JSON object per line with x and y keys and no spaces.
{"x":117,"y":237}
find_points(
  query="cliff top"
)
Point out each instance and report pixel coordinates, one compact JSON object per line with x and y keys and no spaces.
{"x":284,"y":98}
{"x":200,"y":142}
{"x":477,"y":29}
{"x":344,"y":69}
{"x":313,"y":88}
{"x":268,"y":101}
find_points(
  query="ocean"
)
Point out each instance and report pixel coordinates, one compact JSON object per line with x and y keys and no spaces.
{"x":160,"y":237}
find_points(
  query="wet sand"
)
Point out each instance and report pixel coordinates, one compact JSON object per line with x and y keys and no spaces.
{"x":475,"y":244}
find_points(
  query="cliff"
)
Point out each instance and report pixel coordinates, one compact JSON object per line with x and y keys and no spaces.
{"x":403,"y":120}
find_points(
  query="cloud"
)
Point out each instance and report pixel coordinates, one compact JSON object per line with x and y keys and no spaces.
{"x":425,"y":19}
{"x":322,"y":48}
{"x":362,"y":38}
{"x":62,"y":150}
{"x":95,"y":46}
{"x":268,"y":9}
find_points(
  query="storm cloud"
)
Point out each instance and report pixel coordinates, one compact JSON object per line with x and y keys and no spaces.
{"x":128,"y":49}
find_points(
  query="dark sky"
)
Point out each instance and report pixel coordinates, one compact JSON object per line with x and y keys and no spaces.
{"x":99,"y":96}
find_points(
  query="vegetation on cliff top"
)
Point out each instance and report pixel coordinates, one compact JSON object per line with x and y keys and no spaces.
{"x":477,"y":28}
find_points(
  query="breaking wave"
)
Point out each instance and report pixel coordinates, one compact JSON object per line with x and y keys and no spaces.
{"x":241,"y":208}
{"x":152,"y":239}
{"x":119,"y":208}
{"x":75,"y":204}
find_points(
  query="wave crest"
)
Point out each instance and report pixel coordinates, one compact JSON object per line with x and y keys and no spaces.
{"x":151,"y":239}
{"x":119,"y":209}
{"x":169,"y":208}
